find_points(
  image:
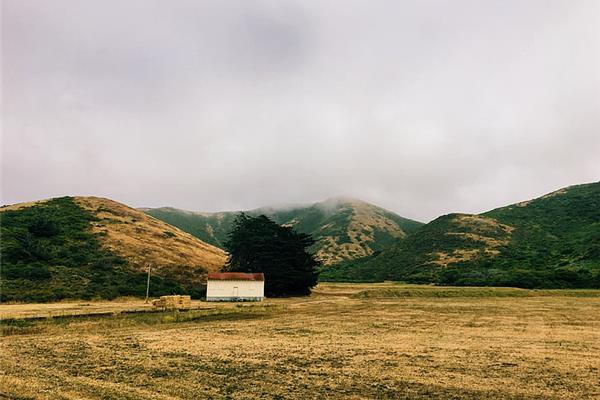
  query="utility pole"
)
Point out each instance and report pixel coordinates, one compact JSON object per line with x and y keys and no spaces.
{"x":148,"y":284}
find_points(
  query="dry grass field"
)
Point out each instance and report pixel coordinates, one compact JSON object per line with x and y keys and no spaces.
{"x":345,"y":341}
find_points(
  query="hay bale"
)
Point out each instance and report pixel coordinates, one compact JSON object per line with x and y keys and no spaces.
{"x":174,"y":301}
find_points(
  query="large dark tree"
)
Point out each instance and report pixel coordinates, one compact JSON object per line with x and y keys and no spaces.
{"x":257,"y":244}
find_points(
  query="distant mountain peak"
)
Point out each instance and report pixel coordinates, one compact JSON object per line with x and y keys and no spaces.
{"x":342,"y":200}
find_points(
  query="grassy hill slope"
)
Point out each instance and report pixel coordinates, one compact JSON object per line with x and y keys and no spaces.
{"x":211,"y":228}
{"x":345,"y":229}
{"x":87,"y":247}
{"x":552,"y":241}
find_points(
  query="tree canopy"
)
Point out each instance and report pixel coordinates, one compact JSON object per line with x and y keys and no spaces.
{"x":257,"y":244}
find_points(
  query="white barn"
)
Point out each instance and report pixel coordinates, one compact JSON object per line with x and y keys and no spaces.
{"x":235,"y":286}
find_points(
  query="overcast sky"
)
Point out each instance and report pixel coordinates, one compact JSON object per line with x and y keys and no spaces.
{"x":422,"y":107}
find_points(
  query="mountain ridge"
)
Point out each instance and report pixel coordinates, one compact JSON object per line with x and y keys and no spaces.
{"x":345,"y":228}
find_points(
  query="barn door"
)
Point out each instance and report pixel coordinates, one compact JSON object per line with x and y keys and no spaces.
{"x":235,"y":291}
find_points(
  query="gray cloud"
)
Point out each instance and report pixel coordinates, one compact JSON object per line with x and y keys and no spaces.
{"x":423,"y":107}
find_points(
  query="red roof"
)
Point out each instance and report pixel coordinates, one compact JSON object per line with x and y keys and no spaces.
{"x":236,"y":276}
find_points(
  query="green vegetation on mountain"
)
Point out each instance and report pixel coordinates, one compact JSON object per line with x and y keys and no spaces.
{"x":552,"y":242}
{"x":86,"y":247}
{"x":343,"y":229}
{"x":90,"y":247}
{"x":211,"y":228}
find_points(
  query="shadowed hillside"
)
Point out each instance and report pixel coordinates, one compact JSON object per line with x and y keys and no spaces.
{"x":552,"y":241}
{"x":87,"y":247}
{"x":345,"y":229}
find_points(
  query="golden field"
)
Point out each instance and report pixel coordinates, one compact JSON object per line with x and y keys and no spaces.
{"x":345,"y":341}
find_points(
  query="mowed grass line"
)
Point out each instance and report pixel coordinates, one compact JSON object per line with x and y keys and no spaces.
{"x":106,"y":322}
{"x":442,"y":291}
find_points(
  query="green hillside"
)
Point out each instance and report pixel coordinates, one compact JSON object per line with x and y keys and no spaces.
{"x":88,"y":247}
{"x":211,"y":228}
{"x":552,"y":241}
{"x":345,"y":229}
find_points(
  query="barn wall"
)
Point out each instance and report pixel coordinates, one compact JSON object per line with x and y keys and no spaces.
{"x":231,"y":290}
